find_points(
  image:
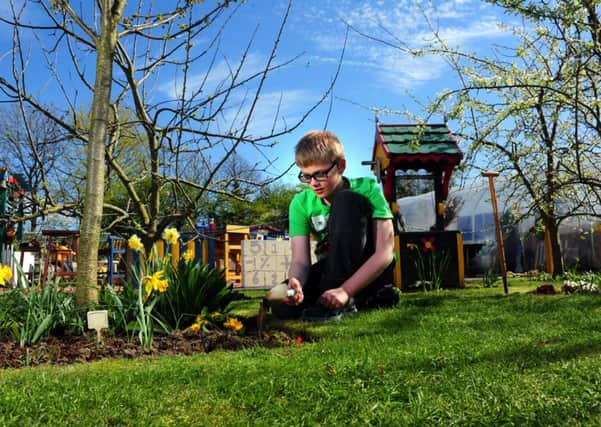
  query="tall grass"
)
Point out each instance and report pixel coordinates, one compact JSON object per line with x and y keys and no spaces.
{"x":469,"y":357}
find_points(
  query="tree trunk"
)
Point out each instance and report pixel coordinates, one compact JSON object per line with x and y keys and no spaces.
{"x":556,"y":256}
{"x":87,"y":268}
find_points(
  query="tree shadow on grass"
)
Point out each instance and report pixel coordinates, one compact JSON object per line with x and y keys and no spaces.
{"x":426,"y":301}
{"x":533,"y":356}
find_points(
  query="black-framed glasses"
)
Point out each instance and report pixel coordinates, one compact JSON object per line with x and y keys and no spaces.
{"x":317,"y":176}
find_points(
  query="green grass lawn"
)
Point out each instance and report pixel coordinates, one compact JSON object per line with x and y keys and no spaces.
{"x":467,"y":357}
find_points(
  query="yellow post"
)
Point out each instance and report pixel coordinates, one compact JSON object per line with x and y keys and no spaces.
{"x":397,"y":248}
{"x":460,"y":261}
{"x":548,"y":253}
{"x":190,"y":246}
{"x":175,"y":253}
{"x":226,"y":255}
{"x":500,"y":245}
{"x":205,"y":251}
{"x":160,"y":247}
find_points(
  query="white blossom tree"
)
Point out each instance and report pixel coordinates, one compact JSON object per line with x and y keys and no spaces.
{"x":530,"y":109}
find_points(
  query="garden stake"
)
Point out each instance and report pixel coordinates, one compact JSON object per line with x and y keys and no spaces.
{"x":98,"y":320}
{"x":278,"y":293}
{"x":261,"y":317}
{"x":500,"y":246}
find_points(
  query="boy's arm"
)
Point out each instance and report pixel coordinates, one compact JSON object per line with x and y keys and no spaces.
{"x":300,"y":263}
{"x":369,"y":271}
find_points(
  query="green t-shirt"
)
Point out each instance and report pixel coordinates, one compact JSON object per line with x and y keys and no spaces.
{"x":308,"y":214}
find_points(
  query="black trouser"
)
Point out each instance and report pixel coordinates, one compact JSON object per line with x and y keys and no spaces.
{"x":350,"y":244}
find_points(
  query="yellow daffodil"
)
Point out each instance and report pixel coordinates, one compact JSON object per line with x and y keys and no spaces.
{"x":135,"y":244}
{"x":147,"y":289}
{"x":188,"y":255}
{"x":162,"y":285}
{"x":233,"y":324}
{"x":199,"y":325}
{"x":155,"y":282}
{"x":170,"y":235}
{"x":6,"y":274}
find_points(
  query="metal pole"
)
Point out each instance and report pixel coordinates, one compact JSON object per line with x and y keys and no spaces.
{"x":500,"y":246}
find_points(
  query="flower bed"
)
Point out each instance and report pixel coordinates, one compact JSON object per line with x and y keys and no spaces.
{"x":70,"y":349}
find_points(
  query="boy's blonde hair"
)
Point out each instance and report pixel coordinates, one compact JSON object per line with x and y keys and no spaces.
{"x":318,"y":146}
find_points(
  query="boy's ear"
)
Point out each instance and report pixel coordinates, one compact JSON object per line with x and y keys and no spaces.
{"x":341,"y":165}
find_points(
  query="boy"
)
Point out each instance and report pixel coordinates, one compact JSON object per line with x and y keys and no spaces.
{"x":352,"y":224}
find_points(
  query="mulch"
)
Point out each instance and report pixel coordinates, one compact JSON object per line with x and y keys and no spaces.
{"x":545,"y":289}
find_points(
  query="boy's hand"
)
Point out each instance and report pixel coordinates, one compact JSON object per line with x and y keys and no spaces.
{"x":334,"y":298}
{"x":298,"y":297}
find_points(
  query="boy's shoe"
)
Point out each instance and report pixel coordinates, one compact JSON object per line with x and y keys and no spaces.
{"x":385,"y":297}
{"x":319,"y":313}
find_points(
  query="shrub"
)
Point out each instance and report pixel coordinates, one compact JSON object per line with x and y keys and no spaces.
{"x":162,"y":297}
{"x":430,"y":264}
{"x":29,"y":315}
{"x":193,"y":288}
{"x":122,"y":307}
{"x":489,"y":280}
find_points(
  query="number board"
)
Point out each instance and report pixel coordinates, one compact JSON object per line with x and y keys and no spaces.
{"x":265,"y":262}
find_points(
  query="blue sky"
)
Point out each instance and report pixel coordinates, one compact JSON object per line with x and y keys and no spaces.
{"x":375,"y":79}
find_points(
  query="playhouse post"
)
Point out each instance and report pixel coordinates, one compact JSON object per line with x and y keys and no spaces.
{"x":500,"y":246}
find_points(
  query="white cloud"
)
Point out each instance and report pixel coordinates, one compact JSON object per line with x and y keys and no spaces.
{"x":210,"y":80}
{"x":287,"y":105}
{"x":400,"y":73}
{"x":404,"y":23}
{"x":486,"y":28}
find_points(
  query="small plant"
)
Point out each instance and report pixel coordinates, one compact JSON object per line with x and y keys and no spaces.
{"x":131,"y":308}
{"x":430,"y":265}
{"x":205,"y":322}
{"x":193,"y":288}
{"x":150,"y":284}
{"x":581,"y":283}
{"x":10,"y":311}
{"x":489,"y":280}
{"x":543,"y":276}
{"x":31,"y":314}
{"x":122,"y":309}
{"x":50,"y":309}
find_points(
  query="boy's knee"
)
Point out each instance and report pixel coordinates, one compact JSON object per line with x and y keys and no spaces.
{"x":385,"y":297}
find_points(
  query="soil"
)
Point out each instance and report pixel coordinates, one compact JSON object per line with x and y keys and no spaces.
{"x":68,"y":349}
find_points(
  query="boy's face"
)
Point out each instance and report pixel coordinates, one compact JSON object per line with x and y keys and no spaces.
{"x":323,"y":178}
